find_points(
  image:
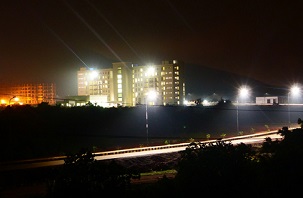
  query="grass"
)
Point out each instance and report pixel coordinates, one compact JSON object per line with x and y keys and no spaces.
{"x":172,"y":171}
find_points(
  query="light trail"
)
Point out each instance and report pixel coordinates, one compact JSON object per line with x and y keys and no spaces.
{"x":116,"y":31}
{"x":94,"y":32}
{"x":135,"y":152}
{"x":58,"y":37}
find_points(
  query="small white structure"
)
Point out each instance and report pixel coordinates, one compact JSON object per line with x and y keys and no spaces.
{"x":99,"y":100}
{"x":268,"y":100}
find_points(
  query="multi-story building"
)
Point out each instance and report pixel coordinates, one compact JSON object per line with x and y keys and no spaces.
{"x":127,"y":84}
{"x":172,"y":82}
{"x":96,"y":82}
{"x":28,"y":93}
{"x":146,"y":80}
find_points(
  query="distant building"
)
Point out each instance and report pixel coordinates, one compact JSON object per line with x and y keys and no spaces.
{"x":271,"y":100}
{"x":127,"y":84}
{"x":28,"y":93}
{"x":96,"y":82}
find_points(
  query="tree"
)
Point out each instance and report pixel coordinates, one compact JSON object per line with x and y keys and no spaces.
{"x":218,"y":167}
{"x":83,"y":176}
{"x":300,"y":122}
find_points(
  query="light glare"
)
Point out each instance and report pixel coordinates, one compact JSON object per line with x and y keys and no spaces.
{"x":294,"y":90}
{"x":151,"y":95}
{"x":243,"y":92}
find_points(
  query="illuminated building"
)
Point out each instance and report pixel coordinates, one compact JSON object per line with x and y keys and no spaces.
{"x":166,"y":80}
{"x":113,"y":85}
{"x":127,"y":84}
{"x":146,"y":79}
{"x":28,"y":93}
{"x":172,"y":82}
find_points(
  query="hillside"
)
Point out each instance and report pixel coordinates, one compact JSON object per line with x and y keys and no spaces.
{"x":203,"y":81}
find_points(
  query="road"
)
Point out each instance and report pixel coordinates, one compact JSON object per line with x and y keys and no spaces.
{"x":134,"y":152}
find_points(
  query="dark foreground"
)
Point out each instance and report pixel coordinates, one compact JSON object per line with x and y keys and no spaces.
{"x":32,"y":132}
{"x":36,"y":182}
{"x":272,"y":169}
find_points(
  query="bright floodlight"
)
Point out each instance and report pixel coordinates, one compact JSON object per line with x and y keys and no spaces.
{"x":185,"y":102}
{"x":93,"y":75}
{"x":295,"y":90}
{"x":243,"y":92}
{"x":205,"y":102}
{"x":150,"y":71}
{"x":151,"y":95}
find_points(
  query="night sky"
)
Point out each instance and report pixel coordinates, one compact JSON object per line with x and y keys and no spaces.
{"x":49,"y":40}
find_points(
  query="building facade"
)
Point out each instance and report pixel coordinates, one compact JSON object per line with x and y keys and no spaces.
{"x":172,"y":82}
{"x":127,"y":84}
{"x":28,"y":93}
{"x":268,"y":100}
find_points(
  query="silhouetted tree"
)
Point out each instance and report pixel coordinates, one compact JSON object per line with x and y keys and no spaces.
{"x":300,"y":122}
{"x":83,"y":176}
{"x":219,"y":167}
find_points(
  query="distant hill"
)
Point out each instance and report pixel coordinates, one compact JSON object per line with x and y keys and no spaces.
{"x":206,"y":82}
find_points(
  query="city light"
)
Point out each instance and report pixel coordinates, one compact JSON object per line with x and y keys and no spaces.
{"x":3,"y":102}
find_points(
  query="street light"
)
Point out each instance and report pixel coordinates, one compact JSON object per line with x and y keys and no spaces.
{"x":294,"y":91}
{"x":150,"y":96}
{"x":243,"y":92}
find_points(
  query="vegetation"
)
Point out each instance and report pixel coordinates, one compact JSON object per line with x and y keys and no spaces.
{"x":83,"y":176}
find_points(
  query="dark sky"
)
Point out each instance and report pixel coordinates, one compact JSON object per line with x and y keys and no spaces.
{"x":49,"y":40}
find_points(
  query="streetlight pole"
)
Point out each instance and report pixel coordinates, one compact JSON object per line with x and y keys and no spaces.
{"x":294,"y":91}
{"x":243,"y":92}
{"x":146,"y":122}
{"x":150,"y":96}
{"x":237,"y":114}
{"x":288,"y":110}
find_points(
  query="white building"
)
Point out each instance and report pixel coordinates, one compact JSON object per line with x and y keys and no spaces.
{"x":126,"y":84}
